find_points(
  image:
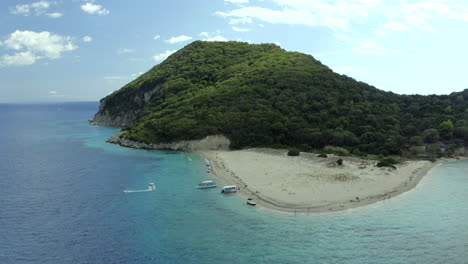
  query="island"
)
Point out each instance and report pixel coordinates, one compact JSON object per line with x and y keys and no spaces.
{"x":284,"y":127}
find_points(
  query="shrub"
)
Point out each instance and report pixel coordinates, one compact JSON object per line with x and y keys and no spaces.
{"x":293,"y":152}
{"x":372,"y":157}
{"x":390,"y":161}
{"x":339,"y":162}
{"x":385,"y":164}
{"x":336,"y":150}
{"x":357,"y":152}
{"x":323,"y":155}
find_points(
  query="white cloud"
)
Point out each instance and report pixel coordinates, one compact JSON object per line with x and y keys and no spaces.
{"x":41,"y":5}
{"x":285,"y":16}
{"x":35,"y":8}
{"x":125,"y":50}
{"x":396,"y":26}
{"x":204,"y":34}
{"x":87,"y":39}
{"x":242,"y":20}
{"x":238,"y":29}
{"x":216,"y":38}
{"x":94,"y":9}
{"x":178,"y":39}
{"x":156,"y":37}
{"x":463,"y":16}
{"x":54,"y":93}
{"x":19,"y":59}
{"x":54,"y":15}
{"x":31,"y":46}
{"x":340,"y":15}
{"x":116,"y":77}
{"x":162,"y":56}
{"x":367,"y":46}
{"x":237,"y":1}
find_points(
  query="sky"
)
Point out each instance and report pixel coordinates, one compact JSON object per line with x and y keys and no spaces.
{"x":83,"y":50}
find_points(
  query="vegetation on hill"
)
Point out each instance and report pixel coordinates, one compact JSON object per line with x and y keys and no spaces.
{"x":263,"y":96}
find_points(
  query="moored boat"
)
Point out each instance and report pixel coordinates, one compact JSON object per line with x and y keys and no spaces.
{"x":250,"y":201}
{"x":206,"y":184}
{"x":229,"y":189}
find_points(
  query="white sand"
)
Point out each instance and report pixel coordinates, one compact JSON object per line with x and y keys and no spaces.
{"x":311,"y":184}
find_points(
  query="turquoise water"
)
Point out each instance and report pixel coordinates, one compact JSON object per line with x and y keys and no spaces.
{"x":62,"y":201}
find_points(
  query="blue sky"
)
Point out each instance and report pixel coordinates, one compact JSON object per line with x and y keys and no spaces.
{"x":82,"y":50}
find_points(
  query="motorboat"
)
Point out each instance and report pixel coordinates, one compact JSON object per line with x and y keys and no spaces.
{"x":151,"y":186}
{"x":206,"y":184}
{"x":250,"y":201}
{"x":229,"y":189}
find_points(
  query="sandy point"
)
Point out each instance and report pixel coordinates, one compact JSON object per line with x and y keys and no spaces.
{"x":308,"y":183}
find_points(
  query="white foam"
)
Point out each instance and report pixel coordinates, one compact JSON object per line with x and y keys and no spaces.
{"x":137,"y":191}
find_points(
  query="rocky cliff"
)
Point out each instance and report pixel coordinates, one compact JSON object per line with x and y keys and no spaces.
{"x":112,"y":113}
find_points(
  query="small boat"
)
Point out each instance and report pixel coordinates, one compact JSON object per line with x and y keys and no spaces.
{"x":151,"y":186}
{"x":229,"y":189}
{"x":251,"y":202}
{"x":206,"y":184}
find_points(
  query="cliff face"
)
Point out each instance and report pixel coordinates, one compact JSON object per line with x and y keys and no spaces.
{"x":111,"y":113}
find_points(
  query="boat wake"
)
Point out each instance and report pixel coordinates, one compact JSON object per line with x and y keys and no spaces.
{"x":151,"y":187}
{"x":138,"y":191}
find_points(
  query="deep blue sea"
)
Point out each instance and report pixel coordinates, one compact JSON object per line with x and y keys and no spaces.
{"x":62,"y":200}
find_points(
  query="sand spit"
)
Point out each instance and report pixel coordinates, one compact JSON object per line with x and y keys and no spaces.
{"x":311,"y":184}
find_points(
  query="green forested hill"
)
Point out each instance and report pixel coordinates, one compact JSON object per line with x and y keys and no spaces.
{"x":264,"y":96}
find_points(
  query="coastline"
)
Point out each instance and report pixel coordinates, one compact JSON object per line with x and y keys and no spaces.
{"x":335,"y":188}
{"x":242,"y":168}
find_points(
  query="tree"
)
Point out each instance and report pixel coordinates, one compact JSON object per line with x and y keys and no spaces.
{"x":461,"y":132}
{"x":416,"y":141}
{"x":431,"y":135}
{"x":446,"y":129}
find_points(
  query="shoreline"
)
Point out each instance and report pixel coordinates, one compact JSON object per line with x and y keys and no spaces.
{"x":210,"y":147}
{"x":224,"y":172}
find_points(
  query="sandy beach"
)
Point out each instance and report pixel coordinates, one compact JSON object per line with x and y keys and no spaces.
{"x":307,"y":183}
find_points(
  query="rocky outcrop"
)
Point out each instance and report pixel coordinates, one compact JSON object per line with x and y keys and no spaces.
{"x":214,"y":142}
{"x":118,"y":116}
{"x":463,"y":151}
{"x":104,"y":118}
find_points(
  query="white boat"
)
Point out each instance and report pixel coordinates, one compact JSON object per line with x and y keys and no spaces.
{"x":251,"y":202}
{"x":206,"y":184}
{"x":151,"y":186}
{"x":229,"y":189}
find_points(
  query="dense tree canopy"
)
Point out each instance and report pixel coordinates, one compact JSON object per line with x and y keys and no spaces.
{"x":263,"y":96}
